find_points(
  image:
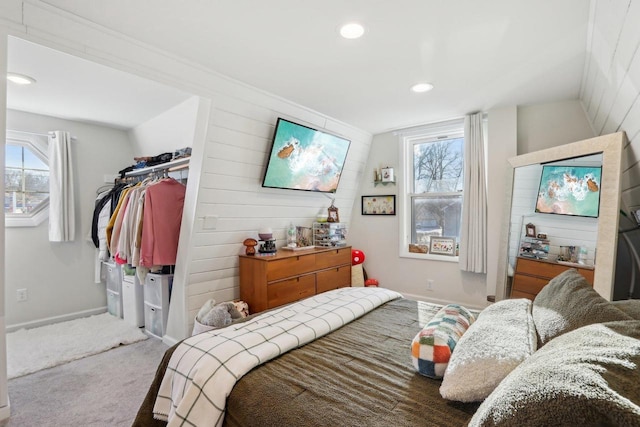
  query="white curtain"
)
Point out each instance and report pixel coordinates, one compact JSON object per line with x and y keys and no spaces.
{"x":61,"y":201}
{"x":473,"y":235}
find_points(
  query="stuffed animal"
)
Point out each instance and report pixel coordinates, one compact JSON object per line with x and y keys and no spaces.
{"x":242,"y":307}
{"x":218,"y":316}
{"x":357,"y":257}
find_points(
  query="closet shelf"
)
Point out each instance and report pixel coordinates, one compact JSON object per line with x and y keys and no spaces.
{"x":163,"y":166}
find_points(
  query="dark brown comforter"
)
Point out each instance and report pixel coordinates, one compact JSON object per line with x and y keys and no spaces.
{"x":358,"y":375}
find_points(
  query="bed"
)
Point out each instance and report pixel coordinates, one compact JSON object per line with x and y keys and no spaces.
{"x":360,"y":374}
{"x":568,"y":358}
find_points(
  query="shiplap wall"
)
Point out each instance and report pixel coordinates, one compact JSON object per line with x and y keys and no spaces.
{"x":561,"y":230}
{"x":237,"y":148}
{"x":611,"y":83}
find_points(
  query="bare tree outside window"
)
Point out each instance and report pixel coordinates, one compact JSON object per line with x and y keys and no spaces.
{"x":436,"y":202}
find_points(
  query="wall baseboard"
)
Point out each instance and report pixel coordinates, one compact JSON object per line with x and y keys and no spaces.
{"x":56,"y":319}
{"x":439,"y":301}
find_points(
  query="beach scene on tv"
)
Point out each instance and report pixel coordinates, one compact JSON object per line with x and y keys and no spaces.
{"x":305,"y":159}
{"x":569,"y":190}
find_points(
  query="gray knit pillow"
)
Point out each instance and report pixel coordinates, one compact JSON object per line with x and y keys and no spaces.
{"x":568,"y":302}
{"x":587,"y":377}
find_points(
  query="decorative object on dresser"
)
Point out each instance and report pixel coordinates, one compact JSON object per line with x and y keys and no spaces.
{"x":530,"y":230}
{"x":329,"y":234}
{"x":531,"y":275}
{"x":250,"y":246}
{"x":333,"y":213}
{"x":268,"y":282}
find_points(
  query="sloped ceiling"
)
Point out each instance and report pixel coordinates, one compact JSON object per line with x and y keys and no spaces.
{"x":479,"y":55}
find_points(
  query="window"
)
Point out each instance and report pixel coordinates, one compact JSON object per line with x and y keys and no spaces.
{"x":26,"y":177}
{"x":433,"y":187}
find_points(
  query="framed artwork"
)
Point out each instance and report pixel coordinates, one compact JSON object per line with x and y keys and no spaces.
{"x":387,"y":174}
{"x":379,"y":205}
{"x":332,"y":214}
{"x":442,"y":246}
{"x":531,"y":230}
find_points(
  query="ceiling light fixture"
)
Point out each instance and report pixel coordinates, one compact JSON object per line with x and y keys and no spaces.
{"x":20,"y":79}
{"x":421,"y":87}
{"x":352,"y":30}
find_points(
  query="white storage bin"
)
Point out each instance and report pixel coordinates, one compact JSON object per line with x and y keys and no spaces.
{"x":157,"y":290}
{"x":114,"y":303}
{"x":114,"y":276}
{"x":155,"y":320}
{"x":132,"y":301}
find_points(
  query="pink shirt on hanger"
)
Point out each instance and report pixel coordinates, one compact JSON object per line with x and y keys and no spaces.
{"x":163,"y":203}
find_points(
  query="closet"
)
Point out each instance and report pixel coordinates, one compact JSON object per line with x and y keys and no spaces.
{"x":136,"y":227}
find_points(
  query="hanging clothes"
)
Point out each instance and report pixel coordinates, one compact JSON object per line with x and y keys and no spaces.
{"x":163,"y":205}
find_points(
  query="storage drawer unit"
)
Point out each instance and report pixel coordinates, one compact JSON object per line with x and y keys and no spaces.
{"x":157,"y":294}
{"x":155,"y":320}
{"x":114,"y":303}
{"x":531,"y":275}
{"x":288,"y":276}
{"x":132,"y":301}
{"x":113,"y":276}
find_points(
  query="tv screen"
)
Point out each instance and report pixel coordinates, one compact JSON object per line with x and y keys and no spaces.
{"x":569,"y":190}
{"x":303,"y":158}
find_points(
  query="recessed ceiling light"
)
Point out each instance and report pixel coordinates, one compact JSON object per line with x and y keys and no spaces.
{"x":352,"y":30}
{"x":20,"y":79}
{"x":421,"y":87}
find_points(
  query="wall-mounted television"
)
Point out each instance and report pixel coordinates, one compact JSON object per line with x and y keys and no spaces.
{"x":569,"y":190}
{"x":303,"y":158}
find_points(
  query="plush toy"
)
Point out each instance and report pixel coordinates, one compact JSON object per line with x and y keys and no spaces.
{"x":357,"y":257}
{"x":371,"y":282}
{"x":219,"y":315}
{"x":242,"y":307}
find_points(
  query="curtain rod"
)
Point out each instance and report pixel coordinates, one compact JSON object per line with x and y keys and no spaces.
{"x":73,"y":138}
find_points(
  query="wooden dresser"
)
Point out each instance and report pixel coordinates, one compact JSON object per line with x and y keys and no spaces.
{"x":288,"y":276}
{"x":531,"y":275}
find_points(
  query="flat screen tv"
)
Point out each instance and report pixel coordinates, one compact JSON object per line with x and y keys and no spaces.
{"x":303,"y":158}
{"x":569,"y":190}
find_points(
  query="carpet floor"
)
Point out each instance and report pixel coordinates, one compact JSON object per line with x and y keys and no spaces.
{"x":101,"y":390}
{"x":30,"y":350}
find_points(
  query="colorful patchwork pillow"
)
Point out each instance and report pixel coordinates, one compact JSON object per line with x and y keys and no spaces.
{"x":432,"y":346}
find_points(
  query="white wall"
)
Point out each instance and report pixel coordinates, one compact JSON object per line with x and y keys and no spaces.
{"x":59,"y":277}
{"x":550,"y":125}
{"x":166,"y":132}
{"x":609,"y":93}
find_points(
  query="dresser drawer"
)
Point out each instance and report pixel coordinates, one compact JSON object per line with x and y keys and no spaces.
{"x":541,"y":269}
{"x":291,"y":266}
{"x":518,"y":294}
{"x":333,"y":257}
{"x":291,"y":290}
{"x":528,"y":284}
{"x":333,"y":279}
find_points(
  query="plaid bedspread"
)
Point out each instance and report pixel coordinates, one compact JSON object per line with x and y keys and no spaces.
{"x":204,"y":368}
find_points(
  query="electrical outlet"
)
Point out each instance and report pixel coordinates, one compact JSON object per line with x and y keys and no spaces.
{"x":429,"y":285}
{"x":21,"y":294}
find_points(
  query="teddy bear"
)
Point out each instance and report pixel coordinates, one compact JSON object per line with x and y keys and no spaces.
{"x":218,"y":315}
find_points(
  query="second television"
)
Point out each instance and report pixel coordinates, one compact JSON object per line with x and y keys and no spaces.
{"x":569,"y":190}
{"x":303,"y":158}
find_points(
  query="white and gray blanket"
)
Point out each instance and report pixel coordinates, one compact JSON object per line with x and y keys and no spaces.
{"x":204,"y":368}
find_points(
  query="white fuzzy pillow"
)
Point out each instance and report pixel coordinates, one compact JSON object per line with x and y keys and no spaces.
{"x":501,"y":338}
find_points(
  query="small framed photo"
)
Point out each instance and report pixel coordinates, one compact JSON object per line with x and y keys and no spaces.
{"x":379,"y":205}
{"x":387,"y":175}
{"x":530,"y":230}
{"x":442,"y":246}
{"x":332,"y":214}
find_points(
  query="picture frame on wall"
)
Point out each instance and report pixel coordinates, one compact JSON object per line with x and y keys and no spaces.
{"x":387,"y":174}
{"x":379,"y":205}
{"x":442,"y":246}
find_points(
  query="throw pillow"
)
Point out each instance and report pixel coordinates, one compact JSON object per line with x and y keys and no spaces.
{"x":498,"y":341}
{"x":432,"y":346}
{"x":629,"y":306}
{"x":586,"y":377}
{"x":567,"y":303}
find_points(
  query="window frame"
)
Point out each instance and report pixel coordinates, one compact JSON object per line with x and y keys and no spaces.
{"x":38,"y":144}
{"x":430,"y":133}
